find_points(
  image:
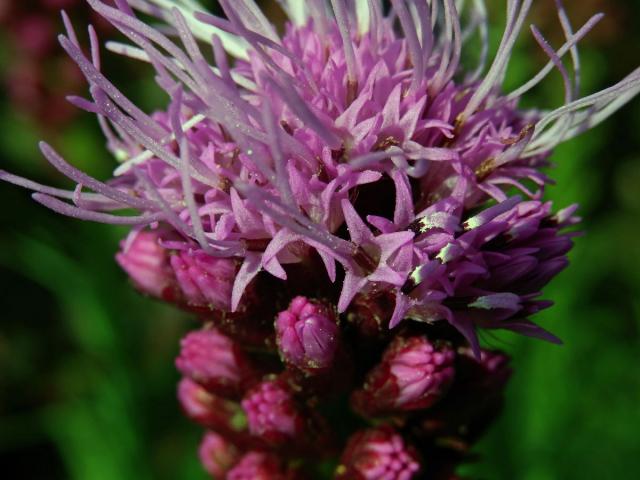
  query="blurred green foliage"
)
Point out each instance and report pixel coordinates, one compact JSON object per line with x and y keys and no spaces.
{"x":86,"y":365}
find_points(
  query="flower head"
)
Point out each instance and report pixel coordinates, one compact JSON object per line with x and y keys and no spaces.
{"x":263,"y":161}
{"x":355,"y":160}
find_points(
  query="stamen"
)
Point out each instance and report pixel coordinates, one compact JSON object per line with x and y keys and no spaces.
{"x":567,"y":46}
{"x":342,"y":19}
{"x":515,"y":18}
{"x":104,"y":203}
{"x":63,"y":167}
{"x":187,"y":189}
{"x":568,"y":91}
{"x":148,"y":154}
{"x":449,"y":61}
{"x":251,"y":15}
{"x":415,"y":50}
{"x":480,"y":20}
{"x":96,"y":78}
{"x":63,"y":208}
{"x":273,"y":133}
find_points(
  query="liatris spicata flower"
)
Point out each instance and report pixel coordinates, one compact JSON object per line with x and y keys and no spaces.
{"x":345,"y":196}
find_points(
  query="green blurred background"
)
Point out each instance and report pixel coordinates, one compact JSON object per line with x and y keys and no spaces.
{"x":86,"y":365}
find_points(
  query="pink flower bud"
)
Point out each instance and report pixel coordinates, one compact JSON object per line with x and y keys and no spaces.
{"x":413,"y":374}
{"x":217,"y":454}
{"x":214,"y":361}
{"x":257,"y":466}
{"x":307,"y":335}
{"x":209,"y":410}
{"x":378,"y":454}
{"x":204,"y":281}
{"x":147,"y":263}
{"x":272,"y":412}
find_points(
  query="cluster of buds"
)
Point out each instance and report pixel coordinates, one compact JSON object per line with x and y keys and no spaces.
{"x":265,"y":409}
{"x":337,"y":206}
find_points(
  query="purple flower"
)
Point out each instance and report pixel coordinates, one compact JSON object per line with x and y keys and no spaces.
{"x":354,"y":160}
{"x":307,"y":335}
{"x":378,"y":454}
{"x":216,"y":454}
{"x":486,"y":270}
{"x":414,"y":374}
{"x":215,"y":361}
{"x":262,"y":160}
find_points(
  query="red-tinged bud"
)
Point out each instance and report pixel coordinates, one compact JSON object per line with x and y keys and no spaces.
{"x":378,"y":454}
{"x":259,"y":466}
{"x":215,"y":361}
{"x":147,"y":263}
{"x":203,"y":280}
{"x":414,"y":374}
{"x":217,"y":454}
{"x":307,"y":335}
{"x":272,"y":413}
{"x":209,"y":410}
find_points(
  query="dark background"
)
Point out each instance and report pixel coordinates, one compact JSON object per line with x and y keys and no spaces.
{"x":86,"y":365}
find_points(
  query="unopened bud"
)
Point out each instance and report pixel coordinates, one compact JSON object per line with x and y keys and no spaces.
{"x":307,"y":335}
{"x":147,"y":263}
{"x":258,"y":466}
{"x":378,"y":454}
{"x":203,"y":280}
{"x":209,"y":410}
{"x":214,"y":361}
{"x":414,"y":374}
{"x":217,"y":454}
{"x":272,"y":413}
